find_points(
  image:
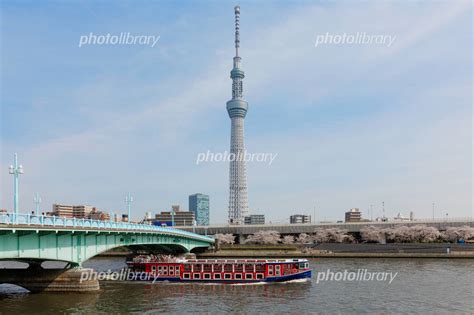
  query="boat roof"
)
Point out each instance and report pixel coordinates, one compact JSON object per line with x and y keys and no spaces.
{"x":244,"y":260}
{"x":228,"y":261}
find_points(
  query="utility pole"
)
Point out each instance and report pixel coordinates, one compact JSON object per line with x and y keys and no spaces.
{"x":371,"y":212}
{"x":433,"y":206}
{"x":15,"y":170}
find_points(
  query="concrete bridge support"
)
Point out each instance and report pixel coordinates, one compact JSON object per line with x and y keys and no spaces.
{"x":37,"y":279}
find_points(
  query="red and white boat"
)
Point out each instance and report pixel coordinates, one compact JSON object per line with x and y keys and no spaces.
{"x":221,"y":270}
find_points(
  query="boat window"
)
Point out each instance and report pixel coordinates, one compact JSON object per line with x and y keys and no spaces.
{"x":248,"y":276}
{"x":277,"y":267}
{"x":207,"y":276}
{"x":187,"y":267}
{"x":228,"y":267}
{"x":238,"y":267}
{"x":185,"y":275}
{"x":302,"y":265}
{"x":171,"y":272}
{"x":217,"y":267}
{"x":227,"y":276}
{"x":238,"y":276}
{"x":306,"y":265}
{"x":196,"y":276}
{"x":259,"y":275}
{"x":217,"y":276}
{"x":197,"y":268}
{"x":270,"y":267}
{"x":160,"y":268}
{"x":165,"y":268}
{"x":259,"y":268}
{"x":207,"y":267}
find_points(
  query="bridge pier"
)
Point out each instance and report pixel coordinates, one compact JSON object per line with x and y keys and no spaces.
{"x":37,"y":279}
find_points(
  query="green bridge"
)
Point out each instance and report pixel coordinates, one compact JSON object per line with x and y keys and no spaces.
{"x":40,"y":238}
{"x":35,"y":239}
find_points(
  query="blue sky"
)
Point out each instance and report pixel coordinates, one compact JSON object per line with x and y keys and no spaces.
{"x":353,"y":125}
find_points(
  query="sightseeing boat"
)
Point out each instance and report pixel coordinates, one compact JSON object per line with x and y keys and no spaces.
{"x":220,"y":270}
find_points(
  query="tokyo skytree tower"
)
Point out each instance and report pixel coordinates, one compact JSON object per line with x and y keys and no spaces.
{"x":237,"y":109}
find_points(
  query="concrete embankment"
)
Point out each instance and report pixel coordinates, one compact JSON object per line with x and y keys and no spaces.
{"x":454,"y":251}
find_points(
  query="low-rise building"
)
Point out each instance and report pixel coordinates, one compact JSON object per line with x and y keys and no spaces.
{"x":255,"y":219}
{"x":353,"y":215}
{"x":300,"y":219}
{"x":99,"y":215}
{"x":66,"y":211}
{"x":82,"y":211}
{"x":179,"y":218}
{"x":79,"y":212}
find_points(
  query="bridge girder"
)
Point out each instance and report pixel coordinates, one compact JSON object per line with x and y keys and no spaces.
{"x":77,"y":246}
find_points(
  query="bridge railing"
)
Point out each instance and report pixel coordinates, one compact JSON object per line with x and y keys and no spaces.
{"x":54,"y":221}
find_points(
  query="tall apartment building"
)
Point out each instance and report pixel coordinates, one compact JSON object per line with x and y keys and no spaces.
{"x":199,"y":204}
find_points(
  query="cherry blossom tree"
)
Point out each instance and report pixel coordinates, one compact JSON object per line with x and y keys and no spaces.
{"x":453,"y":234}
{"x":288,"y":239}
{"x":332,"y":235}
{"x":225,"y":238}
{"x":372,"y":234}
{"x":264,"y":237}
{"x":304,"y":238}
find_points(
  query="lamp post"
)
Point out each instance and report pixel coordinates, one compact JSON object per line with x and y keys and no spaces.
{"x":129,"y":200}
{"x":172,"y":217}
{"x":433,"y":208}
{"x":383,"y":210}
{"x":15,"y":170}
{"x":37,"y":201}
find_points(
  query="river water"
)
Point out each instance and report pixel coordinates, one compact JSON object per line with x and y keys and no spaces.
{"x":427,"y":286}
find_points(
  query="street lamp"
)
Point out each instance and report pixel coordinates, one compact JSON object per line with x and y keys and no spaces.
{"x":172,"y":217}
{"x":37,"y":201}
{"x":15,"y":170}
{"x":129,"y":200}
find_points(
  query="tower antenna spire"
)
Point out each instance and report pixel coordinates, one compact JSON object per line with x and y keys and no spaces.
{"x":237,"y":29}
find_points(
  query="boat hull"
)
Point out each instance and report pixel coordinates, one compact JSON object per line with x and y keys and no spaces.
{"x":297,"y":276}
